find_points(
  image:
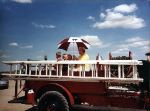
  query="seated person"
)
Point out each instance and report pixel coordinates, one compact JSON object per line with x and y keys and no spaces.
{"x":65,"y":57}
{"x":69,"y":57}
{"x":65,"y":66}
{"x":58,"y":56}
{"x":83,"y":56}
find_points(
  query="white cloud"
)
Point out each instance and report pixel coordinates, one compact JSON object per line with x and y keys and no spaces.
{"x":135,"y":43}
{"x":115,"y":18}
{"x":124,"y":8}
{"x":121,"y":50}
{"x":3,"y":54}
{"x":102,"y":15}
{"x":95,"y":44}
{"x":43,"y":26}
{"x":146,"y":48}
{"x":134,"y":39}
{"x":22,"y":1}
{"x":27,"y":47}
{"x":90,"y":18}
{"x":13,"y":44}
{"x":94,"y":41}
{"x":139,"y":43}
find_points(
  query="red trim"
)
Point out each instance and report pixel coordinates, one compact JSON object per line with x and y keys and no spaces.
{"x":67,"y":91}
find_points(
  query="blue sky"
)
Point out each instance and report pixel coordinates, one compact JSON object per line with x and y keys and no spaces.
{"x":33,"y":28}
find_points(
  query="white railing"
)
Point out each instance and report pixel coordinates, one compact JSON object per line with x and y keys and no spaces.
{"x":122,"y":70}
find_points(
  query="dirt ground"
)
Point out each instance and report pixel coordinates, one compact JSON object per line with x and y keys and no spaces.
{"x":8,"y":94}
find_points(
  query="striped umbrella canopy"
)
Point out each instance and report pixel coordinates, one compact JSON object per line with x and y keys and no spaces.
{"x":64,"y":44}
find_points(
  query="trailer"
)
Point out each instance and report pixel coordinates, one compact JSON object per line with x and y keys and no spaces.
{"x":108,"y":83}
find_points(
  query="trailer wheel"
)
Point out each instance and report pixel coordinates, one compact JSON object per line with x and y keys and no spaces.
{"x":53,"y":101}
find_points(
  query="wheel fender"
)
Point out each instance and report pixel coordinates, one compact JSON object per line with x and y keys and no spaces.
{"x":71,"y":99}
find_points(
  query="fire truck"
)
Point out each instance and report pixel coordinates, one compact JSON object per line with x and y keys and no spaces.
{"x":117,"y":82}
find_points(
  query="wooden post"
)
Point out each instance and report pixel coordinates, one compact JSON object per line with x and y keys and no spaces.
{"x":10,"y":68}
{"x":119,"y":71}
{"x":16,"y":89}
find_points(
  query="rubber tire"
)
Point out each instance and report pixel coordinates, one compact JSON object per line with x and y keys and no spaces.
{"x":53,"y":101}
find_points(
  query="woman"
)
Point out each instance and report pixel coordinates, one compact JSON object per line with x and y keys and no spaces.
{"x":82,"y":56}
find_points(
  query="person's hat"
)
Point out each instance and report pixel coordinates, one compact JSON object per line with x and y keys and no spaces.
{"x":147,"y":54}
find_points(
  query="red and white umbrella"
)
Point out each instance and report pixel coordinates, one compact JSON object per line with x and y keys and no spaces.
{"x":64,"y":44}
